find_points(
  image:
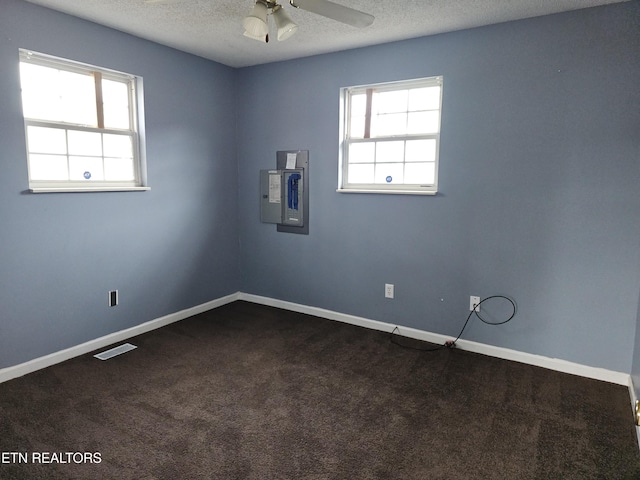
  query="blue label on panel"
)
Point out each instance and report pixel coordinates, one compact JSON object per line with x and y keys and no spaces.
{"x":389,"y":179}
{"x":87,"y":175}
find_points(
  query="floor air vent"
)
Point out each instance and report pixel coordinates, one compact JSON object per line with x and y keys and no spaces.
{"x":107,"y":354}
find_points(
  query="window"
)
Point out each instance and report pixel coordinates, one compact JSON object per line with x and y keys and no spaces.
{"x":82,"y":125}
{"x":390,"y":136}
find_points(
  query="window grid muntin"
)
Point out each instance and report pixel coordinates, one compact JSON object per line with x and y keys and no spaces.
{"x":67,"y":154}
{"x":404,"y":162}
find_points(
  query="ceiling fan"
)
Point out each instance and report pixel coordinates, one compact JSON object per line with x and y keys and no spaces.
{"x":256,"y":26}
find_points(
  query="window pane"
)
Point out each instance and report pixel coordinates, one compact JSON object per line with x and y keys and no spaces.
{"x":78,"y":99}
{"x":389,"y":124}
{"x":118,"y":169}
{"x":389,"y":152}
{"x":424,"y":122}
{"x":361,"y":173}
{"x":115,"y":99}
{"x":424,"y":98}
{"x":116,"y":117}
{"x":56,"y":95}
{"x":358,"y":105}
{"x":420,"y":151}
{"x":48,"y":167}
{"x":47,"y":140}
{"x":420,"y":173}
{"x":40,"y":91}
{"x":117,"y":146}
{"x":362,"y":152}
{"x":35,"y":77}
{"x":85,"y":168}
{"x":357,"y":127}
{"x":85,"y":143}
{"x":390,"y":102}
{"x":389,"y":173}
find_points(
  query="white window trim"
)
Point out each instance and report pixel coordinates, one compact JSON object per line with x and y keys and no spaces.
{"x":137,"y":132}
{"x":409,"y":189}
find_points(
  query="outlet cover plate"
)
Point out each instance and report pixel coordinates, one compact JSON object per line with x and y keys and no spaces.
{"x":388,"y":290}
{"x":474,"y":301}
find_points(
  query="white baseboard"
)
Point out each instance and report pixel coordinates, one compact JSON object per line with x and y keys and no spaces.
{"x":499,"y":352}
{"x":57,"y":357}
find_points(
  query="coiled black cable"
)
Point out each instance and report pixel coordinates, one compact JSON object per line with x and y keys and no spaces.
{"x":452,"y":343}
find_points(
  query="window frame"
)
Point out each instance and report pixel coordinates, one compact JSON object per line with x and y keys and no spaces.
{"x":346,"y":94}
{"x":135,"y":132}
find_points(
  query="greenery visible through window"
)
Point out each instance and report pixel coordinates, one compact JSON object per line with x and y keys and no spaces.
{"x":390,"y":137}
{"x":82,"y":126}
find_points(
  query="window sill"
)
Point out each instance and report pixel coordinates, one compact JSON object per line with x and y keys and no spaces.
{"x":387,"y":192}
{"x":87,"y":189}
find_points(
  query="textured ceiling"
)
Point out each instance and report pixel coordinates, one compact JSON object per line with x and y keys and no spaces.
{"x":213,"y":28}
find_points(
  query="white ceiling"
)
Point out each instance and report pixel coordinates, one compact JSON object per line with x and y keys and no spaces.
{"x":213,"y":28}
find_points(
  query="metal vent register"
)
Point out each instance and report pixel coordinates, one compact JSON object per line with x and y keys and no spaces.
{"x":107,"y":354}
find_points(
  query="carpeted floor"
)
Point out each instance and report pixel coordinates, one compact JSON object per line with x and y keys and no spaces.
{"x":252,"y":392}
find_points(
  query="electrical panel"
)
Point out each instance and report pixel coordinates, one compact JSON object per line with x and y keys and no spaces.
{"x":284,"y":196}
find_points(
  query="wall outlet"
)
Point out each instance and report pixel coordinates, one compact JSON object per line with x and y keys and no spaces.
{"x":113,"y":298}
{"x":474,"y":303}
{"x":388,"y":290}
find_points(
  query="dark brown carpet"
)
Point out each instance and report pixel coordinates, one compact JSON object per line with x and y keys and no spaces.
{"x":252,"y":392}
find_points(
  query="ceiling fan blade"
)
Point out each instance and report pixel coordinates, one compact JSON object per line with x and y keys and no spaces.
{"x":334,"y":11}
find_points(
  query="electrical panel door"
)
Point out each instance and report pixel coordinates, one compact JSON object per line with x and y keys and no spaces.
{"x":282,"y":197}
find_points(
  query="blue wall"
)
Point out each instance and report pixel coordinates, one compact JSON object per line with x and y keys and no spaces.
{"x":171,"y":248}
{"x":539,"y":179}
{"x":538,"y":197}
